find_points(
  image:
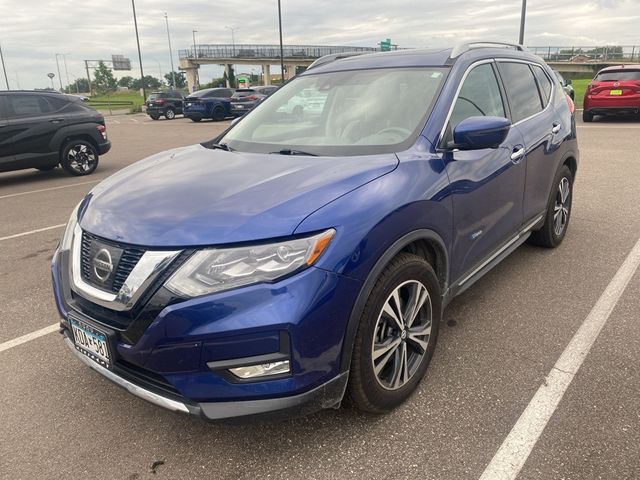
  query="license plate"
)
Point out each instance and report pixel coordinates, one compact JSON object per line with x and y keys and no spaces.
{"x":615,"y":92}
{"x":239,"y":106}
{"x":91,"y":341}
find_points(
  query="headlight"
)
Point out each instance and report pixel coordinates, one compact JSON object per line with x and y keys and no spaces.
{"x":213,"y":270}
{"x":67,"y":238}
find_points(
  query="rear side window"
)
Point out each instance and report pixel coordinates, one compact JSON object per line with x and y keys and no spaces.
{"x":27,"y":105}
{"x":543,"y":82}
{"x":522,"y":90}
{"x":57,"y":103}
{"x":618,"y":76}
{"x":222,"y":93}
{"x":479,"y":96}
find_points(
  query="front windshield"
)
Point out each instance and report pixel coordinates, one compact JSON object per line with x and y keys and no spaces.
{"x":341,"y":113}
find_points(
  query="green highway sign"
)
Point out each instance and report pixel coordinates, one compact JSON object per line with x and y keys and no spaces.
{"x":385,"y":45}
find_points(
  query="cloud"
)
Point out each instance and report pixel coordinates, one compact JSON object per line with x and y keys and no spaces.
{"x":32,"y":31}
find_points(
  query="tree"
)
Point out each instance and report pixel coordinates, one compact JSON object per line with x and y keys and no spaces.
{"x":181,"y":80}
{"x":150,"y":82}
{"x":104,"y":81}
{"x":126,"y":82}
{"x":81,"y":85}
{"x":232,"y":77}
{"x":214,"y":83}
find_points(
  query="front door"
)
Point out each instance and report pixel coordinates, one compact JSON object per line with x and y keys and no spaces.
{"x":487,"y":185}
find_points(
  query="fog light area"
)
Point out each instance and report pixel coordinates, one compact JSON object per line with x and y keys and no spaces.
{"x":262,"y":370}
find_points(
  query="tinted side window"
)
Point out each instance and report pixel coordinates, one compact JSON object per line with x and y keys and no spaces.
{"x":3,"y":108}
{"x":57,"y":103}
{"x":522,"y":90}
{"x":27,"y":105}
{"x":479,"y":96}
{"x":543,"y":82}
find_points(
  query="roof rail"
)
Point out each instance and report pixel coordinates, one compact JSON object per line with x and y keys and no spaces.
{"x":465,"y":47}
{"x":333,"y":57}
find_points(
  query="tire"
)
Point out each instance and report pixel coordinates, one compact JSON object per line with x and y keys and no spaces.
{"x":155,"y":116}
{"x":48,"y":168}
{"x":587,"y":116}
{"x":79,"y":157}
{"x":195,"y":119}
{"x":558,"y":211}
{"x":218,"y":114}
{"x":379,"y":385}
{"x":170,"y":114}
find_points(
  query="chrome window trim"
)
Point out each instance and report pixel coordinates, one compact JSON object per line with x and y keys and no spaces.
{"x":495,"y":60}
{"x":150,"y":265}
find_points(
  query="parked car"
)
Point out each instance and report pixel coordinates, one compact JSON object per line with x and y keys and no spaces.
{"x":566,"y":85}
{"x":245,"y":99}
{"x":306,"y":103}
{"x":212,"y":103}
{"x":613,"y":91}
{"x":43,"y":130}
{"x":280,"y":266}
{"x":167,"y":104}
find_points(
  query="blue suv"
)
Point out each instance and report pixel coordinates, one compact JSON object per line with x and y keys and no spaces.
{"x":298,"y":259}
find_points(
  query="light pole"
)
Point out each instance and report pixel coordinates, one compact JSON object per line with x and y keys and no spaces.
{"x":4,"y":69}
{"x":522,"y":16}
{"x":66,"y":72}
{"x":75,"y":79}
{"x":135,"y":23}
{"x":59,"y":76}
{"x":281,"y":49}
{"x":51,"y":75}
{"x":173,"y":74}
{"x":195,"y":54}
{"x":233,"y":38}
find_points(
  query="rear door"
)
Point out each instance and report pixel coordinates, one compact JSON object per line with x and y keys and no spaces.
{"x":6,"y":141}
{"x":486,"y":184}
{"x":33,"y":122}
{"x":529,"y":91}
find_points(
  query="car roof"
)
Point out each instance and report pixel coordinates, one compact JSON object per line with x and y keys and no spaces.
{"x":620,"y":67}
{"x":441,"y":57}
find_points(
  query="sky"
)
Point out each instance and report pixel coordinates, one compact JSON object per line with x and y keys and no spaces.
{"x":33,"y":31}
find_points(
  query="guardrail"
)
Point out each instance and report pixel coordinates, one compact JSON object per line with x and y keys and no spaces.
{"x":110,"y":104}
{"x":245,"y":51}
{"x":582,"y":54}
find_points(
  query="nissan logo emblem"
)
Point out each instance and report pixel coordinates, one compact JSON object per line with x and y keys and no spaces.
{"x":102,"y":264}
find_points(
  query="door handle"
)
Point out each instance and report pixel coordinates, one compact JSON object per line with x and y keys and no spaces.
{"x":517,"y":154}
{"x":556,"y":128}
{"x":57,"y":120}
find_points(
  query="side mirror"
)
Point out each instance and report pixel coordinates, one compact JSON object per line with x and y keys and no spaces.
{"x":475,"y":133}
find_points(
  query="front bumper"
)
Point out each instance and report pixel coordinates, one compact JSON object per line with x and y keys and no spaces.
{"x":326,"y":395}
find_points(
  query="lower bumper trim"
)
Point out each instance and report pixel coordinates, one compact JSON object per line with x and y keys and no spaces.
{"x":324,"y":396}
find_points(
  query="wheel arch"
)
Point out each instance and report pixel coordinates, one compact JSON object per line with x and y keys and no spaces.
{"x":423,"y":242}
{"x":78,"y":136}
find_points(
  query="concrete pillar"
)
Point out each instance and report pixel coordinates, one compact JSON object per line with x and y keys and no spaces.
{"x":192,"y":78}
{"x":227,"y":69}
{"x":266,"y":74}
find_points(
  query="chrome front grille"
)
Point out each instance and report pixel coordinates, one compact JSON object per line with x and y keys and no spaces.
{"x":128,"y":259}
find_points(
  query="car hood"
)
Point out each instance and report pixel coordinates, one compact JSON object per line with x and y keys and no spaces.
{"x":197,"y":196}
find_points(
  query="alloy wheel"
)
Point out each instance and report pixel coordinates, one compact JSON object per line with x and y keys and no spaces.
{"x":562,"y":205}
{"x":401,"y":335}
{"x":81,"y":158}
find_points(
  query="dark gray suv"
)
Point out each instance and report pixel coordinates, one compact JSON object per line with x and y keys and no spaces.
{"x":45,"y":129}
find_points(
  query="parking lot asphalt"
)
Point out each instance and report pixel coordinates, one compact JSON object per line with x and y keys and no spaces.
{"x":497,"y":345}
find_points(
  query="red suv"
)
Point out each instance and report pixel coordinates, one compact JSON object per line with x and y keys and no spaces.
{"x":614,"y":90}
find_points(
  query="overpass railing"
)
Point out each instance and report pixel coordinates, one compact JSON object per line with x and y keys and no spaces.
{"x":613,"y":53}
{"x":265,"y":51}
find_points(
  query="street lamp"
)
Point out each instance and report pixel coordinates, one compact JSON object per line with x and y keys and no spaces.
{"x":281,"y":49}
{"x":135,"y":23}
{"x":522,"y":15}
{"x":59,"y":76}
{"x":233,"y":38}
{"x":195,"y":54}
{"x":173,"y":74}
{"x":4,"y":69}
{"x":51,"y":75}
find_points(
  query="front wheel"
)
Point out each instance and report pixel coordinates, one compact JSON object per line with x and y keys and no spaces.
{"x":79,"y":157}
{"x":218,"y":114}
{"x":558,"y":211}
{"x":396,"y":335}
{"x":154,"y":116}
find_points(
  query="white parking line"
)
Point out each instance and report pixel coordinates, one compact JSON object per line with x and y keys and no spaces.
{"x":48,"y":189}
{"x":28,"y":337}
{"x":38,"y":230}
{"x":514,"y":451}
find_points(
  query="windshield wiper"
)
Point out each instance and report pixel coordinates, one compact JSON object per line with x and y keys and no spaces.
{"x":289,"y":151}
{"x":221,"y":146}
